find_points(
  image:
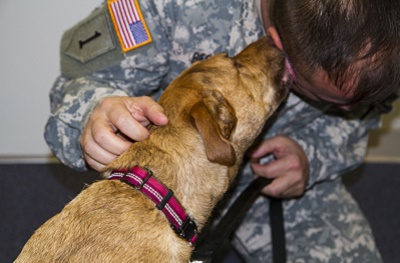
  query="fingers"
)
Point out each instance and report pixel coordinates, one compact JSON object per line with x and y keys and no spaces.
{"x":285,"y":187}
{"x":287,"y":178}
{"x":115,"y":124}
{"x":289,"y":170}
{"x":101,"y":145}
{"x":99,"y":160}
{"x":142,"y":112}
{"x":278,"y":146}
{"x":148,"y":111}
{"x":122,"y":120}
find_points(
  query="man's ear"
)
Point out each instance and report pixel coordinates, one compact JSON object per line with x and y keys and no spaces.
{"x":275,"y":37}
{"x":215,"y":120}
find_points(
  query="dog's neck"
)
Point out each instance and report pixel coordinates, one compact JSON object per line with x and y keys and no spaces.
{"x":197,"y":183}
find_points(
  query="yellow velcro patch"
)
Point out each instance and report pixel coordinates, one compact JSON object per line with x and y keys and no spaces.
{"x":129,"y":24}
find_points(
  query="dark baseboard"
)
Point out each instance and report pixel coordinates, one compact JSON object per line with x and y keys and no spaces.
{"x":32,"y":193}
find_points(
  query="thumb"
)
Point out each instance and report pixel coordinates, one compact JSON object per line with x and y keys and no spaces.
{"x":155,"y":114}
{"x":269,"y":146}
{"x":150,"y":111}
{"x":264,"y":148}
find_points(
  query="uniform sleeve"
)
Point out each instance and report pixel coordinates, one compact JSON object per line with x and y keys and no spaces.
{"x":93,"y":67}
{"x":71,"y":102}
{"x":334,"y":142}
{"x":335,"y":145}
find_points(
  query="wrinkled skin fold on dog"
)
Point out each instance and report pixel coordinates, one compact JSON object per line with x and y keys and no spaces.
{"x":216,"y":109}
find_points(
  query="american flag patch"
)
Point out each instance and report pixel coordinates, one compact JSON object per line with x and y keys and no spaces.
{"x":129,"y":24}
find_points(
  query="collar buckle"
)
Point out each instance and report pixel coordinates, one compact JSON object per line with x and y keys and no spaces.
{"x":187,"y":231}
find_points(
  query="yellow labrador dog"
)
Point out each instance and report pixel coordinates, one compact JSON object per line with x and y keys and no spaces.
{"x":161,"y":191}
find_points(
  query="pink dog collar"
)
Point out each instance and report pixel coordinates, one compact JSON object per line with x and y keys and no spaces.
{"x":142,"y":179}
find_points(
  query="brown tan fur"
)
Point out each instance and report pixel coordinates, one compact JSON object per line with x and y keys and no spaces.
{"x":216,"y":108}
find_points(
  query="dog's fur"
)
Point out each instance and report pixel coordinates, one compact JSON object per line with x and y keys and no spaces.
{"x":216,"y":108}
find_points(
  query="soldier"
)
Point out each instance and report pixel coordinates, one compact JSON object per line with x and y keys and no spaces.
{"x":343,"y":54}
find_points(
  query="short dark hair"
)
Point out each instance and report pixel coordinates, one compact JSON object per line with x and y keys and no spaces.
{"x":356,"y":42}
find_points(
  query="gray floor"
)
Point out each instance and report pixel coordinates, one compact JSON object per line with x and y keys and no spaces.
{"x":30,"y":194}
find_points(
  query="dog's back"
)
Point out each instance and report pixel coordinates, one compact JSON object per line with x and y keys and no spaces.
{"x":216,"y":109}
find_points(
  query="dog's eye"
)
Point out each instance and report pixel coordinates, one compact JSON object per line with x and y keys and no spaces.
{"x":237,"y":64}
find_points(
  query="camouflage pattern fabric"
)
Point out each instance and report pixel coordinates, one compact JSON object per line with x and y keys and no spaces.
{"x":324,"y":225}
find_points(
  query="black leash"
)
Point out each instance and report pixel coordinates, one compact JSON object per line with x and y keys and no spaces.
{"x":215,"y":241}
{"x":277,"y":230}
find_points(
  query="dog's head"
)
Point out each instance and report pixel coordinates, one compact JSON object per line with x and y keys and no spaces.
{"x":228,"y":99}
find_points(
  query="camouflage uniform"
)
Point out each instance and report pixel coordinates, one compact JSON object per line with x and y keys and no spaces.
{"x":325,"y":225}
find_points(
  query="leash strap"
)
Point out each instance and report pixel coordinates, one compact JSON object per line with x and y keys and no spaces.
{"x":142,"y":179}
{"x":277,"y":230}
{"x":209,"y":245}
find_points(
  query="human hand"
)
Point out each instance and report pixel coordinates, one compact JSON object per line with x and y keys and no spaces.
{"x":289,"y":171}
{"x":114,"y":124}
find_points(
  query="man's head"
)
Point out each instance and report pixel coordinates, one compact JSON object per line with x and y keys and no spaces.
{"x":342,"y":51}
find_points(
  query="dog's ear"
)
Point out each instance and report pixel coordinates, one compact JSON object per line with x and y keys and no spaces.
{"x":215,"y":120}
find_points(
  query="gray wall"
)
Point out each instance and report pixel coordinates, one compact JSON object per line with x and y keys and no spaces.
{"x":30,"y":33}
